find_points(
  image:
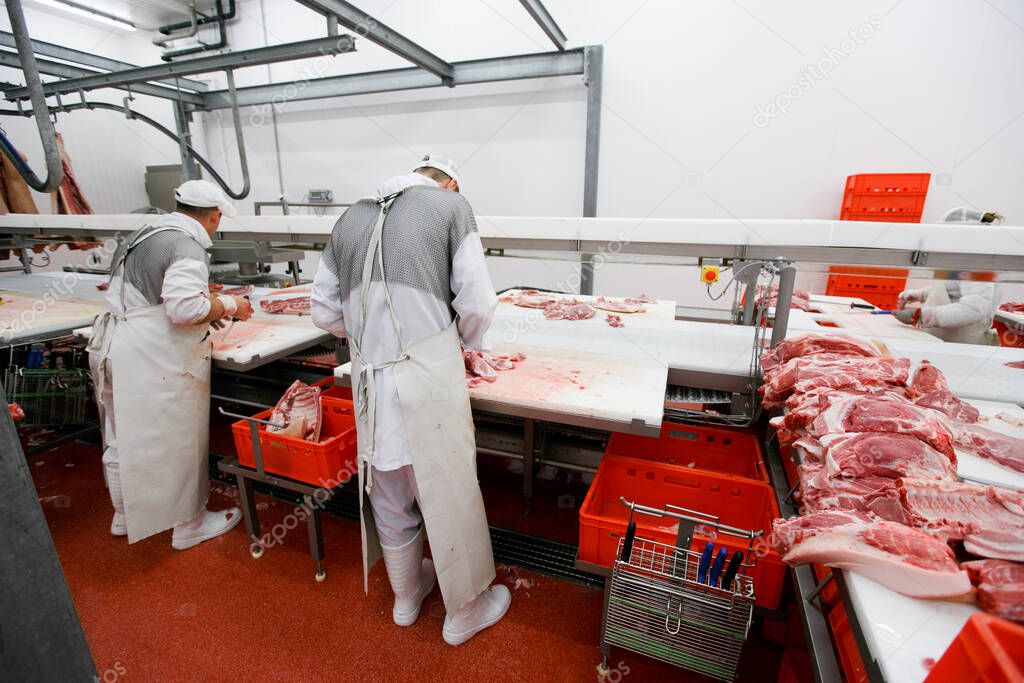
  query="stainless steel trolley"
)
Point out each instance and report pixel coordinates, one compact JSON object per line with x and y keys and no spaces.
{"x":48,"y":397}
{"x":656,"y":606}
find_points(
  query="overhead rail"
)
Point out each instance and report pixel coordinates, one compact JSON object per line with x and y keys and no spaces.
{"x":540,"y":14}
{"x":354,"y":19}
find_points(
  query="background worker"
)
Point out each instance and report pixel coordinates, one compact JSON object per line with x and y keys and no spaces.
{"x":150,"y":360}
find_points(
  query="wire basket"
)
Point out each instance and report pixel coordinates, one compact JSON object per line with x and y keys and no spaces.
{"x":659,"y":607}
{"x":48,"y":397}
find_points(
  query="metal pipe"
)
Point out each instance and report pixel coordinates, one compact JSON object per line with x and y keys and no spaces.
{"x":193,"y":28}
{"x":749,"y":297}
{"x":171,"y":28}
{"x":787,"y":278}
{"x":188,"y":165}
{"x":222,"y":39}
{"x":593,"y":76}
{"x":239,"y":140}
{"x":47,"y":135}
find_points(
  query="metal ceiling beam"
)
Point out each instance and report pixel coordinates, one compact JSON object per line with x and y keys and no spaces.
{"x":354,"y":19}
{"x":544,"y":19}
{"x":330,"y":45}
{"x":90,"y":60}
{"x":67,"y":71}
{"x":541,"y":65}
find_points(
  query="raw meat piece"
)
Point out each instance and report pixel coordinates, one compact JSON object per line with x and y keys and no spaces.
{"x":15,"y":411}
{"x":1012,"y":307}
{"x":215,"y":287}
{"x":1000,"y":587}
{"x":989,"y":520}
{"x":297,"y":305}
{"x":833,"y":371}
{"x":881,"y":454}
{"x":642,"y":299}
{"x":569,"y":310}
{"x":474,"y":382}
{"x":477,"y":365}
{"x":530,"y":298}
{"x":991,"y":445}
{"x":853,"y":413}
{"x":801,"y":409}
{"x":624,"y":306}
{"x":300,"y":403}
{"x":1010,"y":419}
{"x":242,"y":290}
{"x":898,"y":557}
{"x":929,"y":389}
{"x":867,"y":494}
{"x":813,"y":343}
{"x":68,"y":198}
{"x":614,"y":320}
{"x":1015,"y":364}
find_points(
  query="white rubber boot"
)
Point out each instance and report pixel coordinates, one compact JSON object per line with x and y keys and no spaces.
{"x":485,"y":610}
{"x":204,"y":526}
{"x":412,"y":578}
{"x":118,"y":526}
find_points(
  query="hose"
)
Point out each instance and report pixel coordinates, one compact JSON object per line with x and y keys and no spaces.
{"x":47,"y":135}
{"x":140,"y":117}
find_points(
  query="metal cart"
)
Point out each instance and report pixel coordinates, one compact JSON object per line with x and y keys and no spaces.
{"x":48,"y":397}
{"x":314,"y":498}
{"x":656,"y":606}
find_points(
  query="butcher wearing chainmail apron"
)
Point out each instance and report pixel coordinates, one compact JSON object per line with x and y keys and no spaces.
{"x":405,"y":279}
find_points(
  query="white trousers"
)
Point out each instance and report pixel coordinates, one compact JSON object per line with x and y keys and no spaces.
{"x":395,"y":503}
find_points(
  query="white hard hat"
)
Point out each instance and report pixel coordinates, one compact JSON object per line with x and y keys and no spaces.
{"x":204,"y":195}
{"x":442,"y":164}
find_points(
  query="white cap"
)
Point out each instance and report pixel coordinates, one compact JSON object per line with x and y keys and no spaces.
{"x":442,"y":164}
{"x":204,"y":195}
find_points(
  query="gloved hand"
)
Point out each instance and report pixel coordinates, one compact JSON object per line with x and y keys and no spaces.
{"x":244,"y":311}
{"x":912,"y":296}
{"x":907,"y":316}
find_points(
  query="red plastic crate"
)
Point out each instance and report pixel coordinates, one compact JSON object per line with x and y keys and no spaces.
{"x":738,"y":502}
{"x":846,"y":645}
{"x":327,"y":463}
{"x":988,"y":649}
{"x":889,"y":197}
{"x":880,"y":286}
{"x":795,"y":666}
{"x":727,"y":451}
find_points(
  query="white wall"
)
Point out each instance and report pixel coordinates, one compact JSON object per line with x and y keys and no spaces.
{"x":935,"y":87}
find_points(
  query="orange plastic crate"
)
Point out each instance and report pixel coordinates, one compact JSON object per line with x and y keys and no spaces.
{"x":988,"y":649}
{"x":726,"y":451}
{"x":795,"y":666}
{"x":890,"y":197}
{"x":738,"y":502}
{"x":328,"y":462}
{"x":880,"y":286}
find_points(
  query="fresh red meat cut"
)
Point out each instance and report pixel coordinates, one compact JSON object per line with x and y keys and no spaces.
{"x":882,"y":454}
{"x":1012,"y":307}
{"x":620,"y":306}
{"x":299,"y":411}
{"x":832,"y":371}
{"x":570,"y":310}
{"x":477,"y":365}
{"x":901,"y":558}
{"x":1015,"y":364}
{"x":866,"y":493}
{"x":770,"y":297}
{"x":1000,"y":587}
{"x":929,"y":389}
{"x":989,"y":519}
{"x":614,"y":320}
{"x":642,"y":299}
{"x":242,"y":290}
{"x":296,"y":305}
{"x":801,"y":409}
{"x":885,"y":413}
{"x":812,"y":343}
{"x":990,"y":445}
{"x":530,"y":298}
{"x":481,"y":366}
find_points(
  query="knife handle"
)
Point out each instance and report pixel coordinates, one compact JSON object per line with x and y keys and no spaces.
{"x":705,"y":562}
{"x":716,"y":568}
{"x":731,"y":570}
{"x":627,"y":543}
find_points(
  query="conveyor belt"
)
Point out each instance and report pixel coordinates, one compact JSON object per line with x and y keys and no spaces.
{"x":676,"y":394}
{"x":541,"y":555}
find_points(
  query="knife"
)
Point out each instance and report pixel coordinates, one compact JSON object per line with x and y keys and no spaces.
{"x":705,"y":561}
{"x":716,"y":568}
{"x":730,"y":572}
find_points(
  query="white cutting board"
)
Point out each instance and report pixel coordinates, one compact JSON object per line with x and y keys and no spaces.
{"x":984,"y":471}
{"x":901,"y":632}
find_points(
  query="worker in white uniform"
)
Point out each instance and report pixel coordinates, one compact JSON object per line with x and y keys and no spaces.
{"x":150,"y":359}
{"x":405,"y":279}
{"x":955,"y":310}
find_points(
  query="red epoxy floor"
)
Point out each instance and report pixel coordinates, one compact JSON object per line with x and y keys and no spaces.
{"x":213,"y":613}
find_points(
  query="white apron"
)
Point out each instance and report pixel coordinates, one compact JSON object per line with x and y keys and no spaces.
{"x":431,"y":380}
{"x":161,"y":380}
{"x":977,"y":333}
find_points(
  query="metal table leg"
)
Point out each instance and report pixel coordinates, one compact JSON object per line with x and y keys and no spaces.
{"x":316,"y":535}
{"x":528,"y":462}
{"x":247,"y":501}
